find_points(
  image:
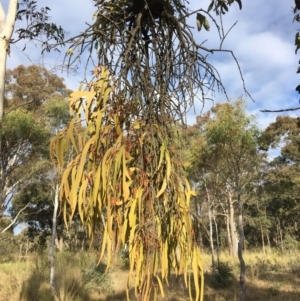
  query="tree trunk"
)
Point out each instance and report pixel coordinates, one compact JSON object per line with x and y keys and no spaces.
{"x":52,"y":244}
{"x":240,"y":250}
{"x":59,"y":243}
{"x":232,"y":226}
{"x":280,"y":235}
{"x":197,"y":227}
{"x":211,"y":241}
{"x":6,"y":30}
{"x":269,"y":243}
{"x":211,"y":236}
{"x":229,"y":240}
{"x":262,"y":240}
{"x":217,"y":236}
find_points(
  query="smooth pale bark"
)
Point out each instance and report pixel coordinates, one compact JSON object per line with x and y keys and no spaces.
{"x":6,"y":30}
{"x":197,"y":227}
{"x":211,"y":236}
{"x":232,"y":226}
{"x":52,"y":244}
{"x":269,"y":243}
{"x":262,"y":240}
{"x":240,"y":250}
{"x":210,"y":213}
{"x":229,"y":240}
{"x":217,"y":236}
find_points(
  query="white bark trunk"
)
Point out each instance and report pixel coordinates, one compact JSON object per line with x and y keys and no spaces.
{"x":52,"y":244}
{"x":228,"y":236}
{"x":211,"y":236}
{"x":262,"y":240}
{"x":210,"y":213}
{"x":217,"y":237}
{"x":6,"y":30}
{"x":234,"y":238}
{"x":240,"y":250}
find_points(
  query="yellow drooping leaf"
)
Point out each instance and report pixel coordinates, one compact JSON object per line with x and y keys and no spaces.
{"x":104,"y":243}
{"x":117,"y":125}
{"x":106,"y":95}
{"x":162,"y":188}
{"x":160,"y":286}
{"x":168,"y":163}
{"x":193,"y":192}
{"x":186,"y":164}
{"x":196,"y":275}
{"x":70,"y":133}
{"x":161,"y":155}
{"x":136,"y":124}
{"x":132,"y":214}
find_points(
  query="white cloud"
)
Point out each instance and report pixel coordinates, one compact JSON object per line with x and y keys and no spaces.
{"x":262,"y":40}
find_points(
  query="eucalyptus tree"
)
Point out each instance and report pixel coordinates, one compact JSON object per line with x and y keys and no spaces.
{"x":27,"y":129}
{"x":230,"y":157}
{"x":200,"y":174}
{"x":234,"y":138}
{"x":37,"y":25}
{"x":281,"y":181}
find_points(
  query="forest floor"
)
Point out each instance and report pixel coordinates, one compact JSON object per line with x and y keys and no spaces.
{"x":273,"y":277}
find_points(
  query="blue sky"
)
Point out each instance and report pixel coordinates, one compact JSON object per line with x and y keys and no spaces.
{"x":262,"y":41}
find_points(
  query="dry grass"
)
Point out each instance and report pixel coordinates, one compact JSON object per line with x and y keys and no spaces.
{"x":272,"y":277}
{"x":12,"y":275}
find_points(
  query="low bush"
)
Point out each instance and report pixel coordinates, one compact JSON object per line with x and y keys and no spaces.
{"x":222,"y":275}
{"x":96,"y":280}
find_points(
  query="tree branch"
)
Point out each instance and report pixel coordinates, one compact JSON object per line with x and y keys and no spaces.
{"x":283,"y":110}
{"x":15,"y":219}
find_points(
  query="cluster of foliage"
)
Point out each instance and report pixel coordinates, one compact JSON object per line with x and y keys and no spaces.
{"x":229,"y":167}
{"x":222,"y":276}
{"x":34,"y":105}
{"x":124,"y":170}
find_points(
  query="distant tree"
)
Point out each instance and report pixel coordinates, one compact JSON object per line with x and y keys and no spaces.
{"x":38,"y":192}
{"x":30,"y":87}
{"x":231,"y":157}
{"x":37,"y":26}
{"x":281,"y":182}
{"x":24,"y":156}
{"x":23,"y":139}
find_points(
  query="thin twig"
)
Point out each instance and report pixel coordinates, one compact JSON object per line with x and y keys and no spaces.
{"x":283,"y":110}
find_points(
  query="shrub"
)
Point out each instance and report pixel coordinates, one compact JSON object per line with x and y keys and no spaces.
{"x":222,"y":275}
{"x":261,"y":268}
{"x":290,"y":244}
{"x":97,"y":280}
{"x":68,"y":280}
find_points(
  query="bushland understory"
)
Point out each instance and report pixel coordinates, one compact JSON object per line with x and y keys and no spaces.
{"x":273,"y":277}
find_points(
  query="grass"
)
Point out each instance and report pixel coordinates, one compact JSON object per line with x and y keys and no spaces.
{"x":274,"y":277}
